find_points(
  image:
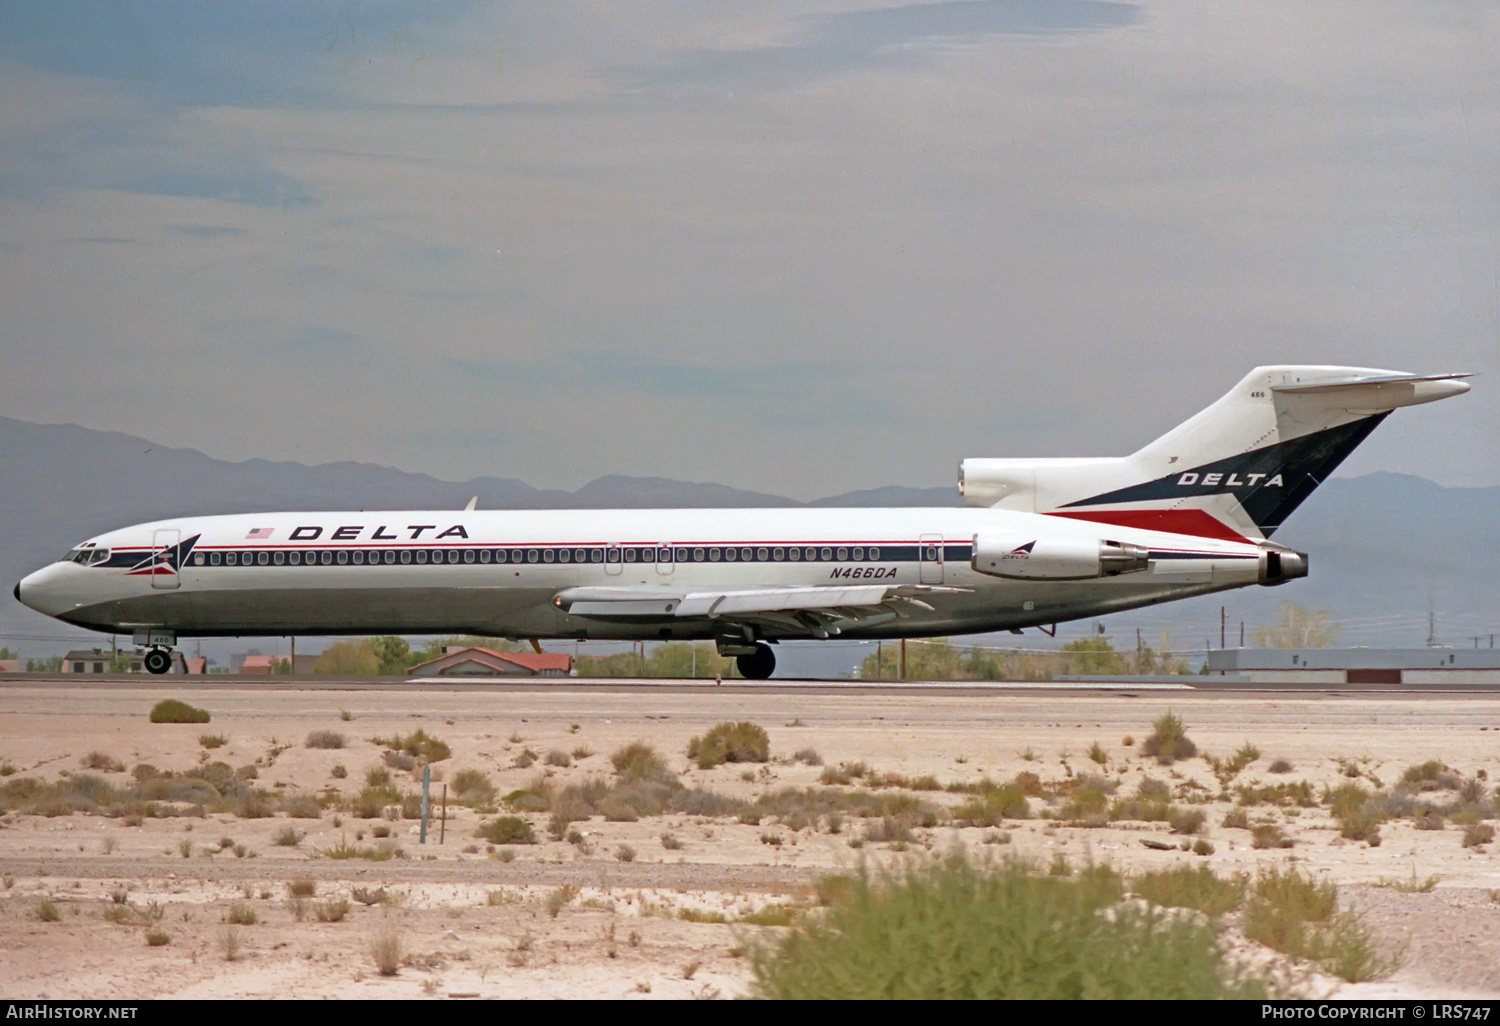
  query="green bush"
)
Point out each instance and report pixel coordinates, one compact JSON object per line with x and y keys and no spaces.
{"x":1168,"y":741}
{"x":474,"y":787}
{"x":994,"y":804}
{"x":730,"y":742}
{"x":1194,"y":887}
{"x":418,"y":744}
{"x":508,"y":830}
{"x":951,"y":929}
{"x":1292,"y":913}
{"x":171,"y":710}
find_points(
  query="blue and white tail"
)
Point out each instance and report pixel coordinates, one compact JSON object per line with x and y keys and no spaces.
{"x":1236,"y":470}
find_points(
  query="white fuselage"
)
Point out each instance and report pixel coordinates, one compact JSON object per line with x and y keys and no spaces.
{"x":502,"y":573}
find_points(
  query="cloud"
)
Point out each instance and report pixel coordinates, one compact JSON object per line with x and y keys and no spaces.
{"x":899,"y":232}
{"x":876,"y":38}
{"x":253,"y":186}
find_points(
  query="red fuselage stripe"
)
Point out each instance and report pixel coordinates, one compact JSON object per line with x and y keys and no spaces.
{"x":1194,"y":522}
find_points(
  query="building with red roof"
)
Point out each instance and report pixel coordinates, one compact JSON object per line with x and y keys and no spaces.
{"x":485,"y":662}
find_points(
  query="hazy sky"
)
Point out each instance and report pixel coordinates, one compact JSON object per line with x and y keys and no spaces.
{"x":800,"y":247}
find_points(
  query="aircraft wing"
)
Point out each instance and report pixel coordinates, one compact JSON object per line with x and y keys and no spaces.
{"x":814,"y":609}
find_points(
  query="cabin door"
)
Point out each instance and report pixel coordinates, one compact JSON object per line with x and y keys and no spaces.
{"x":164,"y":555}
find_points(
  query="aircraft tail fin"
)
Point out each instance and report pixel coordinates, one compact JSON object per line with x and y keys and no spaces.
{"x":1236,"y":470}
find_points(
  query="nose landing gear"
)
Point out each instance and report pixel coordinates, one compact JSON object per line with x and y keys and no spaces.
{"x":159,"y":659}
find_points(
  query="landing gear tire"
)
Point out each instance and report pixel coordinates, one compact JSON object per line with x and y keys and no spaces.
{"x":158,"y":660}
{"x":759,"y":665}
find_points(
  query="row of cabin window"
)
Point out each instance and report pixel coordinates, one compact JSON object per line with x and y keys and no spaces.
{"x":327,"y":557}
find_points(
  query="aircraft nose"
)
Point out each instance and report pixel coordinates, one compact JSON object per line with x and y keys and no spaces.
{"x":46,"y":591}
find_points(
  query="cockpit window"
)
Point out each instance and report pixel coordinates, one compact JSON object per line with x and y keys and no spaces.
{"x":100,"y":556}
{"x":82,"y":554}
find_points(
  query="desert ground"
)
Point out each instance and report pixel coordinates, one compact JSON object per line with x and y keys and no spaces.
{"x":665,"y":905}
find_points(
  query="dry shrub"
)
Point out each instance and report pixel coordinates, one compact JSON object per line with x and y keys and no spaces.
{"x":1476,"y":834}
{"x":639,"y":761}
{"x":1187,"y":821}
{"x":730,"y":742}
{"x":240,"y":914}
{"x":231,"y":940}
{"x":303,"y":806}
{"x":1269,"y":835}
{"x":100,"y":761}
{"x":386,"y":948}
{"x":326,"y":739}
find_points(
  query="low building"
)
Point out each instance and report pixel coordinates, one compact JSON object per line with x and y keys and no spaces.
{"x":1415,"y":667}
{"x":102,"y":660}
{"x":485,"y":662}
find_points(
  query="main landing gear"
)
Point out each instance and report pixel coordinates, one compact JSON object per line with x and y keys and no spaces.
{"x":757,"y":665}
{"x":754,"y":659}
{"x":158,"y":660}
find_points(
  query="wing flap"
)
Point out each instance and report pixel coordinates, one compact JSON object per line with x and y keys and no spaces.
{"x":732,"y":604}
{"x":715,"y":604}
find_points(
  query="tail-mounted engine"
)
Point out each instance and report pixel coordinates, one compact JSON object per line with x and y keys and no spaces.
{"x":1056,"y":559}
{"x":1279,"y":564}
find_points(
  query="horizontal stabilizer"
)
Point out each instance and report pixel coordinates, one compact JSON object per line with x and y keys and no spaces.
{"x":1380,"y":392}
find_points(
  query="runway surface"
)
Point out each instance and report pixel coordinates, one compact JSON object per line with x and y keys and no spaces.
{"x":1193,"y":685}
{"x":964,"y":707}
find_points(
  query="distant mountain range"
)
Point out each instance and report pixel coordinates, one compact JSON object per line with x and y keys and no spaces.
{"x":1383,"y":546}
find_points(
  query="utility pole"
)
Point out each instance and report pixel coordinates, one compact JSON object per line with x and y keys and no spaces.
{"x":1223,"y":622}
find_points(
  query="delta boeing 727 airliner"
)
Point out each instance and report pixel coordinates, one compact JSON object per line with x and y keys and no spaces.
{"x":1050,"y":540}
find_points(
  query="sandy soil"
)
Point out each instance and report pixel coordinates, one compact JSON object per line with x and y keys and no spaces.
{"x":570,"y":920}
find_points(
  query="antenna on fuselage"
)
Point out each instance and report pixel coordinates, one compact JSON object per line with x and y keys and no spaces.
{"x":472,"y":503}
